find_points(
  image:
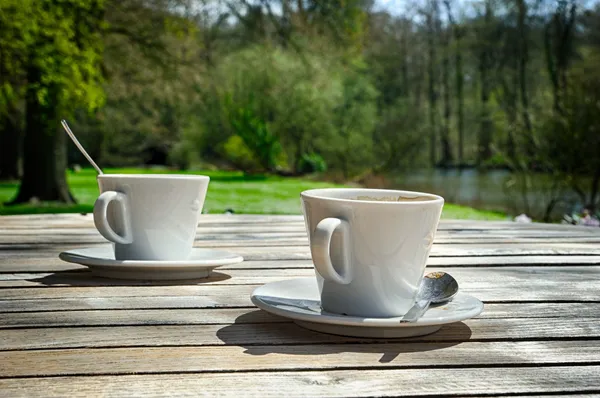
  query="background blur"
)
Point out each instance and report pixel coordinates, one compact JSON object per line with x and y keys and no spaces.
{"x":494,"y":104}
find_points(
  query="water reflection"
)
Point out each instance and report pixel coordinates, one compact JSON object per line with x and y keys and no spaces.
{"x":498,"y":190}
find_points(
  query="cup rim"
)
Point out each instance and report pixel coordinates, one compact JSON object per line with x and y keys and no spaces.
{"x":155,"y":176}
{"x":319,"y":193}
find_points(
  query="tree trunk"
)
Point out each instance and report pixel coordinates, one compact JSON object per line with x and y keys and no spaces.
{"x":10,"y":148}
{"x":445,"y":136}
{"x":508,"y":98}
{"x":432,"y":91}
{"x":558,"y":48}
{"x":460,"y":101}
{"x":485,"y":130}
{"x":45,"y":151}
{"x":405,"y":56}
{"x":458,"y":69}
{"x":523,"y":58}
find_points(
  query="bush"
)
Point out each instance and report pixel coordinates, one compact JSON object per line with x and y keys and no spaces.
{"x":311,"y":163}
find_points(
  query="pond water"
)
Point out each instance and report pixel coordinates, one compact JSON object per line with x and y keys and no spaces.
{"x":498,"y":190}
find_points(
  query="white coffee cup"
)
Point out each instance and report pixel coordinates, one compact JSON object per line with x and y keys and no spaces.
{"x":150,"y":216}
{"x":370,"y":247}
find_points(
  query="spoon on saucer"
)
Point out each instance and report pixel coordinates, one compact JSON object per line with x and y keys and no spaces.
{"x":436,"y":287}
{"x":79,"y":146}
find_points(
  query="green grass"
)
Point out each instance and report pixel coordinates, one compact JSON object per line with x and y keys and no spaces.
{"x":227,"y":190}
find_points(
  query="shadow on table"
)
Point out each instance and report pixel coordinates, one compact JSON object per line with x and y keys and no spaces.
{"x":261,"y":333}
{"x":88,"y":278}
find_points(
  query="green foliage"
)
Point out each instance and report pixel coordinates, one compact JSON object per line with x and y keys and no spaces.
{"x":572,"y":136}
{"x":236,"y":151}
{"x":312,"y":163}
{"x":256,"y":134}
{"x":301,"y":87}
{"x":400,"y":136}
{"x":64,"y":49}
{"x":354,"y":118}
{"x":344,"y":18}
{"x":309,"y":107}
{"x":15,"y":38}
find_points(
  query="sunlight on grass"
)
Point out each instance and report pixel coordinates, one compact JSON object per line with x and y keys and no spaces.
{"x":256,"y":194}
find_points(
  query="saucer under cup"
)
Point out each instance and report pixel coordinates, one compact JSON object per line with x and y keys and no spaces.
{"x":101,"y":261}
{"x":299,"y":300}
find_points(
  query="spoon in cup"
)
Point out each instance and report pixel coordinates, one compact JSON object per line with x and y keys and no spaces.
{"x":79,"y":146}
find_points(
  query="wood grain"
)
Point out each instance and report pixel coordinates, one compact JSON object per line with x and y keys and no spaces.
{"x":332,"y":383}
{"x":11,"y":250}
{"x":54,"y":264}
{"x":195,"y":316}
{"x":251,"y":333}
{"x":473,"y":278}
{"x":539,"y":332}
{"x":292,"y":357}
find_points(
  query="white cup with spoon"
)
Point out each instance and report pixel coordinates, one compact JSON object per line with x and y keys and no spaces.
{"x":150,"y":217}
{"x":370,"y":247}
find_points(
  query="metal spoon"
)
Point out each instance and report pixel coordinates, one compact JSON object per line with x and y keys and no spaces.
{"x":436,"y":287}
{"x":79,"y":146}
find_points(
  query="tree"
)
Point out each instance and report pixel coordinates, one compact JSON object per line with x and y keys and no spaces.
{"x":63,"y":56}
{"x":13,"y":20}
{"x":431,"y":16}
{"x":558,"y":41}
{"x":523,"y":59}
{"x":10,"y":142}
{"x":572,"y":139}
{"x":446,"y":158}
{"x":354,"y":121}
{"x":485,"y":62}
{"x":458,"y":33}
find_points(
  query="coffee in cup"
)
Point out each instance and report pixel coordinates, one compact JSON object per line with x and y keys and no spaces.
{"x":370,"y":247}
{"x":150,"y":217}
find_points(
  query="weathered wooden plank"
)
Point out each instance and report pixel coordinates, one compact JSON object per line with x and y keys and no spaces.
{"x":574,"y":283}
{"x":113,"y":303}
{"x":235,"y":296}
{"x":332,"y":383}
{"x":61,"y":239}
{"x":24,"y":251}
{"x":472,"y":277}
{"x":300,"y":231}
{"x":205,"y":219}
{"x":158,"y":360}
{"x":251,"y":334}
{"x":220,"y":222}
{"x":68,"y":236}
{"x":54,"y":264}
{"x":158,"y":317}
{"x":203,"y":316}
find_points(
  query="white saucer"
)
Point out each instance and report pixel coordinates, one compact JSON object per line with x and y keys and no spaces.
{"x":101,"y":260}
{"x":299,"y":300}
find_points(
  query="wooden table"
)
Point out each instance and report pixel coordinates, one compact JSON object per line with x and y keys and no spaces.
{"x":64,"y":332}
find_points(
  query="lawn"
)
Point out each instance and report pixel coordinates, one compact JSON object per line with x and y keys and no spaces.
{"x":227,"y":190}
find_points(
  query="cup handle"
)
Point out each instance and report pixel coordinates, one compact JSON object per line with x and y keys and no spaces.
{"x":101,"y":220}
{"x":320,"y":249}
